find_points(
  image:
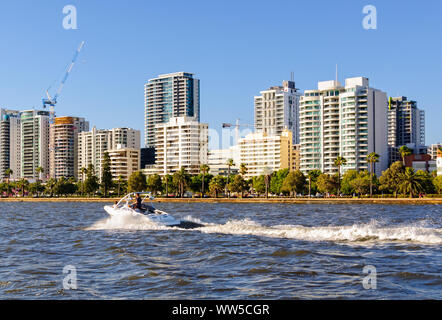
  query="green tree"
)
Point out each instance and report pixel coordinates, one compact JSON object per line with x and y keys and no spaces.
{"x":277,"y":180}
{"x":361,"y":184}
{"x":204,"y":169}
{"x":154,"y":184}
{"x":339,"y":162}
{"x":410,"y":182}
{"x":426,"y":181}
{"x":437,"y":182}
{"x":243,"y":169}
{"x":181,"y":180}
{"x":230,"y":163}
{"x":167,"y":184}
{"x":259,"y":184}
{"x":39,"y":171}
{"x":8,"y":172}
{"x":36,"y":188}
{"x":23,"y":184}
{"x":327,"y":184}
{"x":404,"y":151}
{"x":312,"y":178}
{"x":50,"y":186}
{"x":91,"y":184}
{"x":83,"y":172}
{"x":106,"y":174}
{"x":372,"y":158}
{"x":347,"y":178}
{"x":217,"y":185}
{"x":391,"y":178}
{"x":238,"y":185}
{"x":121,"y":184}
{"x":294,"y":183}
{"x":137,"y":182}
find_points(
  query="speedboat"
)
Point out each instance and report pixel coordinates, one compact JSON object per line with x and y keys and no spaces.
{"x":126,"y":207}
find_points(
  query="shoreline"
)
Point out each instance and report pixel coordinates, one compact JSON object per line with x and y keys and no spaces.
{"x":397,"y":201}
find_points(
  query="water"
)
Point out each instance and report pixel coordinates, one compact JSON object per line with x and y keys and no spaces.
{"x":246,"y":251}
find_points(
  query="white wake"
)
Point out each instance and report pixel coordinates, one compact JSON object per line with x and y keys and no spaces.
{"x":355,"y":233}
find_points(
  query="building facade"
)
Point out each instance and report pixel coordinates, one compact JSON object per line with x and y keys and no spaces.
{"x":124,"y":161}
{"x":93,"y":144}
{"x":167,"y":96}
{"x":10,"y":139}
{"x":217,"y":160}
{"x":63,"y":148}
{"x":261,"y":152}
{"x":34,"y":144}
{"x":182,"y":142}
{"x":277,"y":109}
{"x":348,"y":121}
{"x":433,"y":150}
{"x":406,"y":123}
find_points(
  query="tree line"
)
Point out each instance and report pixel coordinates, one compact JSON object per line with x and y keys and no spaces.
{"x":396,"y":180}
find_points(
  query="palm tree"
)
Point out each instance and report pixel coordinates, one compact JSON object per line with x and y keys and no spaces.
{"x":243,"y":169}
{"x":39,"y":171}
{"x":23,"y":184}
{"x":204,"y":169}
{"x":120,"y":181}
{"x":267,"y":176}
{"x":229,"y":163}
{"x":8,"y":173}
{"x":340,"y":161}
{"x":410,"y":182}
{"x":181,"y":180}
{"x":83,"y":172}
{"x":404,"y":151}
{"x":372,"y":158}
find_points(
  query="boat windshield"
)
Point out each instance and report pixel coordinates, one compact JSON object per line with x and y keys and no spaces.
{"x":130,"y":198}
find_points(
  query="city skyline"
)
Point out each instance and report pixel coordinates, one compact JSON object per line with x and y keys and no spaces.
{"x":231,"y":71}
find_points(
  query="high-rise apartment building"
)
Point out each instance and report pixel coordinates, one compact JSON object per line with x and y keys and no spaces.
{"x":93,"y":144}
{"x":406,"y":123}
{"x":63,"y":148}
{"x":348,"y":121}
{"x":277,"y":109}
{"x":167,"y":96}
{"x":10,"y":152}
{"x":34,"y":144}
{"x":182,"y":142}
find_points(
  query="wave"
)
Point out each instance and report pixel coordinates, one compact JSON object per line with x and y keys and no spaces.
{"x":370,"y":232}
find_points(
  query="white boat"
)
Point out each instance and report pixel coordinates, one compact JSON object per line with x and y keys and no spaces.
{"x":127,"y":206}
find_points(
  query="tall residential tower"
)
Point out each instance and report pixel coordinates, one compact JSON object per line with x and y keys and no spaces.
{"x":169,"y":95}
{"x":348,"y":121}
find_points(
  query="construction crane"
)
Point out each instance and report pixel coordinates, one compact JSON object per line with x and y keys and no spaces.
{"x":52,"y":101}
{"x":237,"y":126}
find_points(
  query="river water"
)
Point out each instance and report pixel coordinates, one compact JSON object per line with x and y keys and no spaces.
{"x":244,"y":251}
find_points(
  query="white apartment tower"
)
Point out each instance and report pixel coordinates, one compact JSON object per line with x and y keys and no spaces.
{"x":34,"y":144}
{"x":167,"y":96}
{"x":348,"y":121}
{"x":182,"y":142}
{"x":93,"y":144}
{"x":10,"y":152}
{"x":277,"y":109}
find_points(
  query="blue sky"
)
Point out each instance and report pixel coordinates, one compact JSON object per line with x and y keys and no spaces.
{"x":237,"y":48}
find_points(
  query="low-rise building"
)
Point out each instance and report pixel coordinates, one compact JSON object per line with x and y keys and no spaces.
{"x":124,"y":161}
{"x":262,"y":152}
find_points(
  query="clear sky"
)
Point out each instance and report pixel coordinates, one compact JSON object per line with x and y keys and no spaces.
{"x":237,"y":48}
